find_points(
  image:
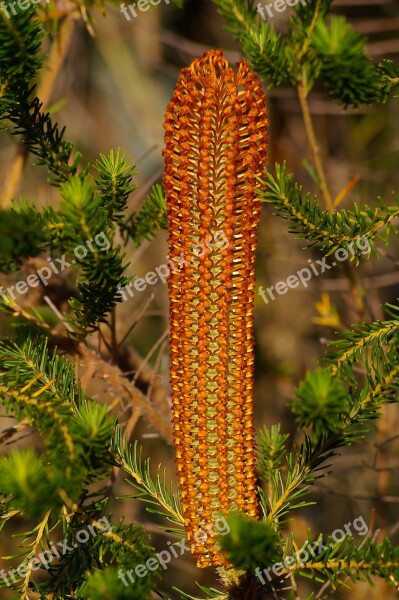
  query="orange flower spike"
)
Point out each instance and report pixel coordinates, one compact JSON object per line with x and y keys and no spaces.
{"x":216,"y":142}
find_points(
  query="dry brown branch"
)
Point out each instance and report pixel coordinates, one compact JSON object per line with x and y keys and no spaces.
{"x":124,"y":388}
{"x":11,"y":431}
{"x":121,"y":386}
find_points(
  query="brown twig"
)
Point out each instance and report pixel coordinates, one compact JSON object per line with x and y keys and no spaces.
{"x":314,"y":146}
{"x":156,"y":414}
{"x":150,"y":353}
{"x":11,"y":431}
{"x":130,"y":361}
{"x":124,"y":387}
{"x":135,"y":321}
{"x":354,"y":285}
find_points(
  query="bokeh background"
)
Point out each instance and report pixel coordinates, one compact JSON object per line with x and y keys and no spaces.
{"x":112,"y":91}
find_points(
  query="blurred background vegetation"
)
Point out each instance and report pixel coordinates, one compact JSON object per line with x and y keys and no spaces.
{"x":110,"y":84}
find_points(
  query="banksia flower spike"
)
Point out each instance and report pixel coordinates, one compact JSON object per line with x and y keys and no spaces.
{"x":216,"y":142}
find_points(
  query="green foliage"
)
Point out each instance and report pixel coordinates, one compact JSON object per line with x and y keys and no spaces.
{"x":144,"y":224}
{"x":39,"y":386}
{"x":209,"y":593}
{"x":389,"y":78}
{"x":20,"y":45}
{"x":42,"y":137}
{"x":132,"y":549}
{"x":302,"y":468}
{"x":271,"y":448}
{"x":352,"y":559}
{"x":21,"y":39}
{"x":316,"y":46}
{"x":90,"y":205}
{"x":374,"y":348}
{"x":266,"y":50}
{"x":152,"y":490}
{"x":83,"y":220}
{"x":115,"y":183}
{"x":24,"y":478}
{"x":21,"y":237}
{"x":307,"y":15}
{"x":250,"y":543}
{"x":91,"y":429}
{"x":348,"y":74}
{"x":337,"y":407}
{"x":365,"y":341}
{"x":98,"y":561}
{"x":347,"y":229}
{"x":305,"y":62}
{"x":106,"y":585}
{"x":34,"y":385}
{"x":321,"y":403}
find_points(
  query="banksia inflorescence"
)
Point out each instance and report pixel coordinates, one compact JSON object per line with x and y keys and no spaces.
{"x":216,"y":142}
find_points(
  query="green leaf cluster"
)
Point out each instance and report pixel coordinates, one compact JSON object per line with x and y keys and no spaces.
{"x":356,"y":230}
{"x":92,"y":202}
{"x":317,"y":46}
{"x":145,"y":223}
{"x":248,"y":541}
{"x":21,"y":39}
{"x":38,"y":386}
{"x":321,"y":403}
{"x":21,"y":236}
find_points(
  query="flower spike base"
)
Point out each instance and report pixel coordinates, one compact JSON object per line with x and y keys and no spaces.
{"x":216,"y":141}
